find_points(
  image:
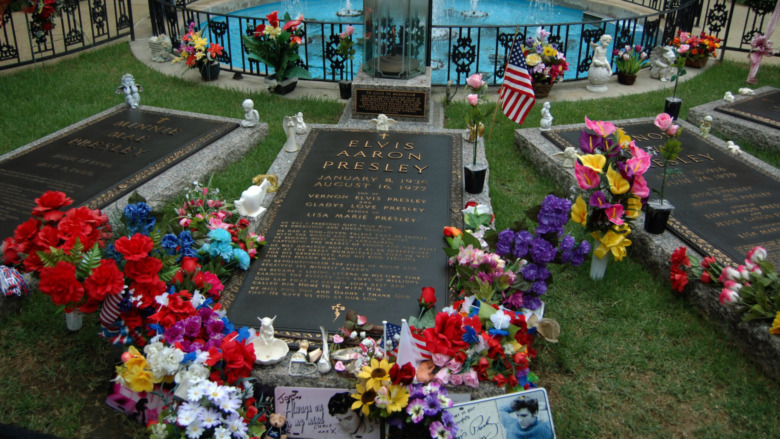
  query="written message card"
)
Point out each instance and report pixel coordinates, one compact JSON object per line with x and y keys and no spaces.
{"x":314,"y":413}
{"x":518,"y":415}
{"x":724,"y":206}
{"x":357,"y":224}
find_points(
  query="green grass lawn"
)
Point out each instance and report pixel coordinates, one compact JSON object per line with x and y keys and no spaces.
{"x":633,"y":360}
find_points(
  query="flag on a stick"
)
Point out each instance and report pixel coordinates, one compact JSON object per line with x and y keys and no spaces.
{"x":411,"y":347}
{"x":517,"y":93}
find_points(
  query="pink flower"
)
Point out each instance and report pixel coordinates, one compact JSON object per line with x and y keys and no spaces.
{"x":454,"y":366}
{"x":586,"y":177}
{"x":626,"y":57}
{"x":728,"y":297}
{"x":643,"y":56}
{"x":471,"y":379}
{"x":440,"y":359}
{"x":361,"y":320}
{"x":684,"y":37}
{"x":744,"y":272}
{"x":683,"y":48}
{"x":349,"y":31}
{"x":729,"y":273}
{"x":603,"y":129}
{"x":473,"y":99}
{"x":663,"y":121}
{"x":732,"y":285}
{"x":639,"y":188}
{"x":672,"y":130}
{"x":757,"y":255}
{"x":442,"y":376}
{"x":615,"y":214}
{"x":475,"y":81}
{"x":185,"y":222}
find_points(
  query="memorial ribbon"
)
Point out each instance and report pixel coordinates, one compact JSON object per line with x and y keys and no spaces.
{"x":761,"y":46}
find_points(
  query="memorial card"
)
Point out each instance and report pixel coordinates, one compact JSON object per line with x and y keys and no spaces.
{"x":517,"y":415}
{"x":316,"y":413}
{"x":357,"y":225}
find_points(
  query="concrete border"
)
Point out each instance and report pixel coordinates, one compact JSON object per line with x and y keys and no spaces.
{"x":753,"y":338}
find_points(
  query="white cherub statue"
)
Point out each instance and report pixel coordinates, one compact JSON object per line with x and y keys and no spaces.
{"x":547,"y":118}
{"x":728,"y":97}
{"x":568,"y":156}
{"x":300,"y":125}
{"x":268,"y":349}
{"x":131,"y":90}
{"x":746,"y":91}
{"x":705,"y":125}
{"x":383,"y":122}
{"x":251,"y":202}
{"x":733,"y":148}
{"x":661,"y":61}
{"x":289,"y":128}
{"x":251,"y":117}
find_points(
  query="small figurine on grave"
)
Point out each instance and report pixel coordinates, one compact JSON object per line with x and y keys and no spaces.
{"x":600,"y":71}
{"x":733,"y":148}
{"x":274,"y":180}
{"x":268,"y":349}
{"x":705,"y":126}
{"x":302,"y":354}
{"x":277,"y":427}
{"x":251,"y":116}
{"x":251,"y":202}
{"x":289,"y":128}
{"x":568,"y":156}
{"x":661,"y":61}
{"x":161,"y":47}
{"x":131,"y":90}
{"x":728,"y":97}
{"x":300,"y":125}
{"x":547,"y":118}
{"x":746,"y":91}
{"x":383,"y":122}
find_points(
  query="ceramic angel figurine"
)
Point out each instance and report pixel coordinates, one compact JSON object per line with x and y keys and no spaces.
{"x":661,"y":61}
{"x":600,"y":70}
{"x":251,"y":117}
{"x":300,"y":125}
{"x":251,"y":202}
{"x":547,"y":118}
{"x":568,"y":156}
{"x":131,"y":90}
{"x":746,"y":91}
{"x":728,"y":97}
{"x":289,"y":128}
{"x":383,"y":122}
{"x":705,"y":126}
{"x":733,"y":148}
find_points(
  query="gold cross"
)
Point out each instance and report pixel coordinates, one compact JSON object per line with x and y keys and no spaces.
{"x":384,"y":135}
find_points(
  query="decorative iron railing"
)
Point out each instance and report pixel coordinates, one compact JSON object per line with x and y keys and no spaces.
{"x":81,"y":25}
{"x":467,"y":49}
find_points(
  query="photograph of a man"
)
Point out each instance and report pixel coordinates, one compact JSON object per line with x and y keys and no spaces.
{"x":521,"y":420}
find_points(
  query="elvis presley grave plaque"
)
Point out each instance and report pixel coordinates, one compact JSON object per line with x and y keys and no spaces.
{"x":357,"y":225}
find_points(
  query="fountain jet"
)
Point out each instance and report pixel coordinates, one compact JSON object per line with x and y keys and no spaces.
{"x":347,"y":11}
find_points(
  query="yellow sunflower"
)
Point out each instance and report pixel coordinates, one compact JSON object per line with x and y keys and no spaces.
{"x":364,"y":399}
{"x":398,"y":398}
{"x":549,"y":51}
{"x":376,"y":374}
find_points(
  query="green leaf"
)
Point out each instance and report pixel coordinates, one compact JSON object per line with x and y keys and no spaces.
{"x":136,"y":198}
{"x":89,"y":261}
{"x":167,"y":274}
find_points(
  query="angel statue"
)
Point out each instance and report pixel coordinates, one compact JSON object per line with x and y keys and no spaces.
{"x":131,"y":90}
{"x":661,"y":63}
{"x":383,"y":122}
{"x":568,"y":156}
{"x":289,"y":129}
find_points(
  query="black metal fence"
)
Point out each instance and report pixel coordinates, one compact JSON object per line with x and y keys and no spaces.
{"x":82,"y":24}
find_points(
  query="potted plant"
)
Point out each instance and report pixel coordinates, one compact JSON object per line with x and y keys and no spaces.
{"x":197,"y":52}
{"x":658,"y":211}
{"x":475,"y":172}
{"x":545,"y":62}
{"x":628,"y":62}
{"x":673,"y":105}
{"x":610,"y":174}
{"x":346,"y":50}
{"x":277,"y":47}
{"x":696,"y":49}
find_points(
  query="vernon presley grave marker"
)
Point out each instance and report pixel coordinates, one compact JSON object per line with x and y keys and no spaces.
{"x":102,"y":160}
{"x":357,"y":224}
{"x":724,"y":206}
{"x":763,"y":108}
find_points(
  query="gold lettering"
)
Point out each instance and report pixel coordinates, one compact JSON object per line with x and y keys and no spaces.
{"x":353,"y":143}
{"x":342,"y":153}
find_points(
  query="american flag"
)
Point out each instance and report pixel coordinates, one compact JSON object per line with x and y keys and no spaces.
{"x":517,"y":94}
{"x":411,"y":347}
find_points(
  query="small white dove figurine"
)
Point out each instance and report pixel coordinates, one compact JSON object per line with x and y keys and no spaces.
{"x":746,"y":91}
{"x":251,"y":202}
{"x":733,"y":148}
{"x":383,"y":122}
{"x":728,"y":97}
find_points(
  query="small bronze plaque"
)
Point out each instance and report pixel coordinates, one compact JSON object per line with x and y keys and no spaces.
{"x":101,"y":161}
{"x":399,"y":103}
{"x":357,"y":224}
{"x":763,"y":108}
{"x":723,"y":205}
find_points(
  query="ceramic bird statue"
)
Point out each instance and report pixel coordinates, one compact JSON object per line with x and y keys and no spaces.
{"x":728,"y":97}
{"x":733,"y":148}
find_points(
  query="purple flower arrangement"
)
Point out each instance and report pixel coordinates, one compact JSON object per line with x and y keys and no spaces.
{"x":426,"y":412}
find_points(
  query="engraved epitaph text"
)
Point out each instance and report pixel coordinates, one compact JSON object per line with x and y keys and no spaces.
{"x":390,"y":102}
{"x":356,"y":225}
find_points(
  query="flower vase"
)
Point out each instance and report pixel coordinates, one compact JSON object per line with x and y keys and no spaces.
{"x":626,"y":79}
{"x":283,"y":87}
{"x":598,"y":266}
{"x":541,"y":89}
{"x":209,"y":71}
{"x":475,"y":177}
{"x":73,"y":320}
{"x":657,"y":215}
{"x":345,"y":89}
{"x":672,"y":107}
{"x":696,"y":63}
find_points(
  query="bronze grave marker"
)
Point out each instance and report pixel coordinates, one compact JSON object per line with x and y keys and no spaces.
{"x":763,"y":108}
{"x":724,"y":206}
{"x":398,"y":103}
{"x":357,"y":224}
{"x":99,"y":162}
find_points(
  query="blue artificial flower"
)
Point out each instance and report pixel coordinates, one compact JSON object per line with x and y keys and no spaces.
{"x":501,"y":332}
{"x":470,"y":335}
{"x":553,"y":215}
{"x":530,"y":272}
{"x":220,"y":235}
{"x":505,"y":240}
{"x":185,"y":239}
{"x":539,"y":287}
{"x":243,"y":334}
{"x":169,"y":242}
{"x":110,"y":252}
{"x":242,"y":257}
{"x":138,"y":218}
{"x":579,"y":253}
{"x":188,"y":357}
{"x":223,"y":250}
{"x":531,"y":302}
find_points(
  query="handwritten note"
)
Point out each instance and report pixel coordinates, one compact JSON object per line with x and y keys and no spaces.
{"x":306,"y":410}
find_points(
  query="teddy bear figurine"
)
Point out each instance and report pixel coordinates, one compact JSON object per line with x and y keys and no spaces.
{"x":277,"y":427}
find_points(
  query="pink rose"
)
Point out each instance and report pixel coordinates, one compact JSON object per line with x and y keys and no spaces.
{"x":440,"y":359}
{"x":454,"y":366}
{"x":350,"y":30}
{"x":757,"y":255}
{"x":442,"y":376}
{"x":663,"y":121}
{"x":475,"y":81}
{"x":732,"y":285}
{"x":683,"y":48}
{"x":728,"y":297}
{"x":672,"y":130}
{"x":471,"y":379}
{"x":456,"y":379}
{"x":473,"y":99}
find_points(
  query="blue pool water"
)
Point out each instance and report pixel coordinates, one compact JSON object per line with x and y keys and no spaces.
{"x":445,"y":13}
